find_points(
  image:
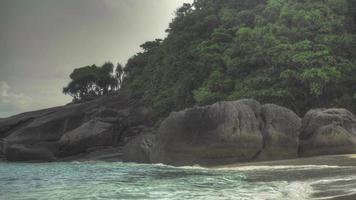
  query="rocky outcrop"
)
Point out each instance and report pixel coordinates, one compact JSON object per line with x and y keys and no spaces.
{"x":221,"y":133}
{"x":227,"y":132}
{"x":139,"y":149}
{"x":73,"y":129}
{"x":27,"y":152}
{"x":118,"y":127}
{"x":91,"y":134}
{"x":281,"y":129}
{"x":328,"y":131}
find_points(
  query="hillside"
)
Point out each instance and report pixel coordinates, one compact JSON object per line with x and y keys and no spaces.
{"x":295,"y":53}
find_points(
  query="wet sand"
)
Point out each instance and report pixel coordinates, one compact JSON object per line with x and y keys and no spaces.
{"x":332,"y":177}
{"x":331,"y":160}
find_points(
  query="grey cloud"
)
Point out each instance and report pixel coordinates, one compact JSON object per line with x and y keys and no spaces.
{"x":42,"y":41}
{"x":12,"y":102}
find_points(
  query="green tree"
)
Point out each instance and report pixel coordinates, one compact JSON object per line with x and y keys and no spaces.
{"x":91,"y":82}
{"x":119,"y":74}
{"x":297,"y":53}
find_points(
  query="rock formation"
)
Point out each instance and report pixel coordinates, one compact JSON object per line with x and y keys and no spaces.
{"x":49,"y":134}
{"x":139,"y":149}
{"x":225,"y":132}
{"x":328,"y":131}
{"x":281,"y":129}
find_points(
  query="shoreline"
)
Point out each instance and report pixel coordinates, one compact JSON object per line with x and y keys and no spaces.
{"x":345,"y":160}
{"x":320,"y":182}
{"x":320,"y":190}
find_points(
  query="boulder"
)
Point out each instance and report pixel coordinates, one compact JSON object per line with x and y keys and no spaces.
{"x":139,"y":149}
{"x":225,"y":132}
{"x":281,"y":130}
{"x":328,"y":131}
{"x":71,"y":129}
{"x":46,"y":127}
{"x":90,"y":134}
{"x":28,"y":153}
{"x":222,"y":133}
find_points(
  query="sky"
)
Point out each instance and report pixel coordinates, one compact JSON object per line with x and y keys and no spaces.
{"x":42,"y":41}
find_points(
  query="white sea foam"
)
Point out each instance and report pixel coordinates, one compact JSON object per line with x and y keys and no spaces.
{"x":296,"y":191}
{"x":280,"y":167}
{"x":198,"y":167}
{"x":339,"y":184}
{"x":193,"y":167}
{"x":336,"y":179}
{"x":343,"y":196}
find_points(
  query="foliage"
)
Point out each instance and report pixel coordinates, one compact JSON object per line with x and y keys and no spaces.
{"x":91,"y":81}
{"x":297,"y":53}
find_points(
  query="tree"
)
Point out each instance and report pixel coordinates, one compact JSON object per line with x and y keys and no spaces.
{"x":91,"y":82}
{"x":184,"y":10}
{"x":119,"y":74}
{"x":299,"y":54}
{"x":150,"y":45}
{"x":106,"y":80}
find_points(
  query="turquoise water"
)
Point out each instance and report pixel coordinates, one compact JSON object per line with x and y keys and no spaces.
{"x":99,"y":180}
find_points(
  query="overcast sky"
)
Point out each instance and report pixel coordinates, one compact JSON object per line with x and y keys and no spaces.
{"x":42,"y":41}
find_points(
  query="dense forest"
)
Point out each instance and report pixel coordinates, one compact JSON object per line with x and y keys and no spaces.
{"x":297,"y":53}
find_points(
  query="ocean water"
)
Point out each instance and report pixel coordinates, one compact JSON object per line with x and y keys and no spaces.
{"x":100,"y":180}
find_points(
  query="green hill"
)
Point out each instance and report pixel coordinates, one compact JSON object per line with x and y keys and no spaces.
{"x":296,"y":53}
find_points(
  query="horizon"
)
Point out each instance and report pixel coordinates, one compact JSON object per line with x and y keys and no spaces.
{"x":42,"y":42}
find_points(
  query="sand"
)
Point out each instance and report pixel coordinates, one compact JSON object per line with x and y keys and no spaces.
{"x":331,"y":160}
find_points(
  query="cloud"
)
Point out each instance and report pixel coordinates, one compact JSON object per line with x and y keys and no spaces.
{"x":10,"y":102}
{"x":41,"y":42}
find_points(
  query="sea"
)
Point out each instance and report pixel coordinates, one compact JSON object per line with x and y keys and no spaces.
{"x":107,"y":180}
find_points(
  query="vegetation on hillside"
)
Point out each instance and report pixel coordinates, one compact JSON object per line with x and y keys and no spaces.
{"x":296,"y":53}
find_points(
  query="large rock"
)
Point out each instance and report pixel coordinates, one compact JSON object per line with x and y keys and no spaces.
{"x":139,"y":149}
{"x":225,"y":132}
{"x":72,"y":129}
{"x":39,"y":130}
{"x":281,"y":130}
{"x":328,"y":131}
{"x":28,"y":153}
{"x":90,"y":134}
